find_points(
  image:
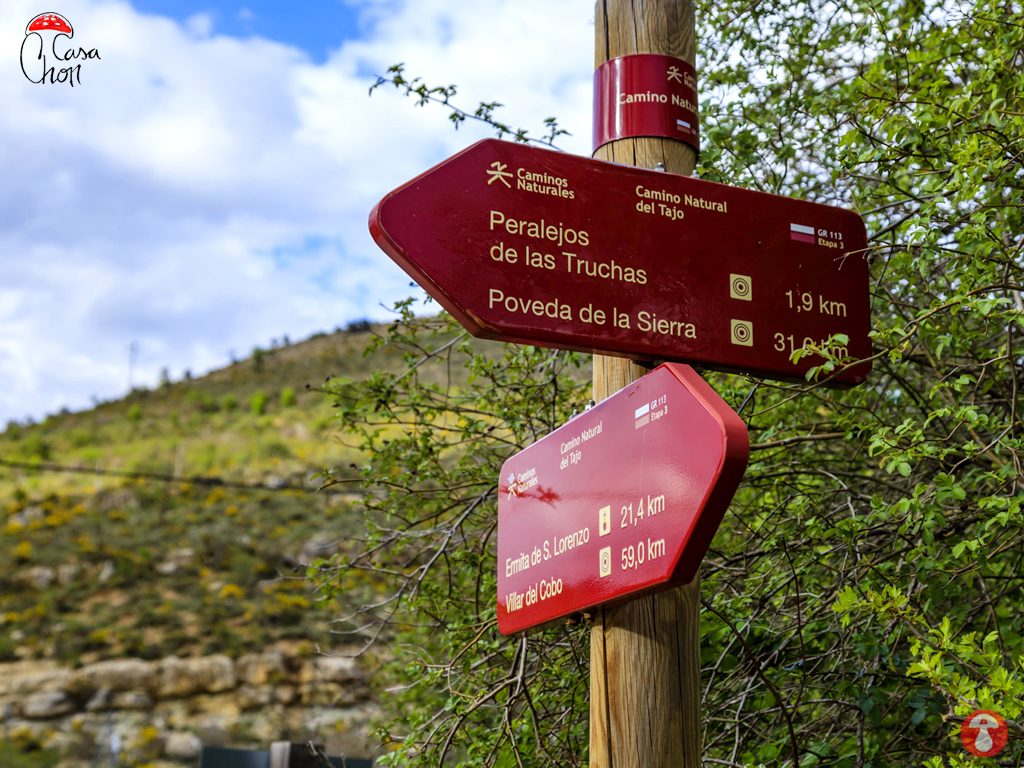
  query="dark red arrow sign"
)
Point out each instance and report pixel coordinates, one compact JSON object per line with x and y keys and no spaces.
{"x":622,"y":500}
{"x":539,"y":247}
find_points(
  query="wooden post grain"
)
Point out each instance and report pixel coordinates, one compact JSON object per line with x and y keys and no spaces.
{"x":645,"y":655}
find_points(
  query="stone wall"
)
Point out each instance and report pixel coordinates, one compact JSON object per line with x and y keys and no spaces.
{"x":164,"y":711}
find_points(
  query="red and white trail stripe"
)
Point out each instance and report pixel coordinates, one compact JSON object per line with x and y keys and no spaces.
{"x":642,"y":415}
{"x":802,"y":233}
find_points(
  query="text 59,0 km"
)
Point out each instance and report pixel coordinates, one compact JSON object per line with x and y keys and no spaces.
{"x":642,"y":552}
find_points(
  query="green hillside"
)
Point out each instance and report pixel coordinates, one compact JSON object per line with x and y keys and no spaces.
{"x":182,"y":514}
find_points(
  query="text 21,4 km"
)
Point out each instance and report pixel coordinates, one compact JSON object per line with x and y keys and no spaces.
{"x":655,"y":504}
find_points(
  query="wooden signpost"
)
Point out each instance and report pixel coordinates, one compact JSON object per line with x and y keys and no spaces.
{"x":649,"y":649}
{"x":613,"y":512}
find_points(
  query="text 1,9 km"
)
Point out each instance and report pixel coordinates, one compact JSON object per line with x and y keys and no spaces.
{"x":636,"y":555}
{"x":804,"y":302}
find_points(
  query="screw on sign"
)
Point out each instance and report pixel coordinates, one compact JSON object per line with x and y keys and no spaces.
{"x":983,"y":733}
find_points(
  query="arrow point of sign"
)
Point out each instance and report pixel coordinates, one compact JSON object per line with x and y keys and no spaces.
{"x":406,"y":258}
{"x":735,"y":455}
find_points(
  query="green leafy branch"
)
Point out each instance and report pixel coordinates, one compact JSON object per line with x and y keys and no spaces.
{"x":442,"y":95}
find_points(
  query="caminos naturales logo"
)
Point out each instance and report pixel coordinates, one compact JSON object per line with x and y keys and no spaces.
{"x":47,"y":53}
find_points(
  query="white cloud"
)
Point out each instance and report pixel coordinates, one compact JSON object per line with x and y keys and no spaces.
{"x":199,"y":194}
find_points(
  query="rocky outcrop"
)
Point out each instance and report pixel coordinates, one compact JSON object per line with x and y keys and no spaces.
{"x":46,"y":704}
{"x":330,"y":669}
{"x":186,"y":677}
{"x":25,"y":677}
{"x":260,"y":668}
{"x":169,"y":709}
{"x":37,"y":577}
{"x":67,"y":573}
{"x":117,"y":675}
{"x":182,"y":746}
{"x":176,"y":558}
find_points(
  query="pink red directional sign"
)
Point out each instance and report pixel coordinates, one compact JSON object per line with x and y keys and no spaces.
{"x":622,"y":500}
{"x":540,"y":247}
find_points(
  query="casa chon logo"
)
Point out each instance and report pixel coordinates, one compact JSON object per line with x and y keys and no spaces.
{"x":47,"y":55}
{"x":983,"y":733}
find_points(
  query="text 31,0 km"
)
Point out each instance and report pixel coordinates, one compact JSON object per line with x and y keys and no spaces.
{"x":789,"y":345}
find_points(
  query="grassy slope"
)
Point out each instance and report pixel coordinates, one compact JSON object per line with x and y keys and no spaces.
{"x":94,"y":567}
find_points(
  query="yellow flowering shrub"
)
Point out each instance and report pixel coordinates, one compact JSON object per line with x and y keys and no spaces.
{"x":229,"y":591}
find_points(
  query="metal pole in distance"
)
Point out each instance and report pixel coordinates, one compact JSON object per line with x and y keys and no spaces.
{"x":280,"y":754}
{"x":645,"y":655}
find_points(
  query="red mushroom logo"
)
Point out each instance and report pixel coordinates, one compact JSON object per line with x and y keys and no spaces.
{"x":50,"y":21}
{"x":52,"y":30}
{"x":983,"y":733}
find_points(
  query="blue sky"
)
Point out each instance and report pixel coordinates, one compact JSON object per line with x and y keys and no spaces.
{"x":315,"y":26}
{"x":204,"y":187}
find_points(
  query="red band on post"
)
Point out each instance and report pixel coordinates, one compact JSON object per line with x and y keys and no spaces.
{"x":645,"y":94}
